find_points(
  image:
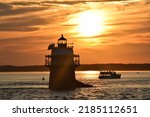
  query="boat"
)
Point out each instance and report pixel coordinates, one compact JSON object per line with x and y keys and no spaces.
{"x":109,"y":75}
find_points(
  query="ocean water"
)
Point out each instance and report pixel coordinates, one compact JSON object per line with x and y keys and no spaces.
{"x":134,"y":85}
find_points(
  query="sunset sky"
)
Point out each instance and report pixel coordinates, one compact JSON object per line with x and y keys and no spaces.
{"x":105,"y":31}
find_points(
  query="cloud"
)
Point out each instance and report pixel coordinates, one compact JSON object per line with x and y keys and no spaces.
{"x":7,"y":9}
{"x":26,"y":23}
{"x":4,"y":6}
{"x":64,"y":2}
{"x":29,"y":18}
{"x":146,"y":1}
{"x":68,"y":2}
{"x":23,"y":3}
{"x":145,"y":29}
{"x":22,"y":28}
{"x":23,"y":41}
{"x":15,"y":11}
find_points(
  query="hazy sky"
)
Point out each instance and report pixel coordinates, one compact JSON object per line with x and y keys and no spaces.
{"x":105,"y":31}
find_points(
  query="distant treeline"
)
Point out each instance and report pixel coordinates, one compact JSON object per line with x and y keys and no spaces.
{"x":115,"y":67}
{"x":83,"y":67}
{"x":9,"y":68}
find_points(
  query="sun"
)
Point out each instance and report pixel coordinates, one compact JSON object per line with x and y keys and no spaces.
{"x":90,"y":23}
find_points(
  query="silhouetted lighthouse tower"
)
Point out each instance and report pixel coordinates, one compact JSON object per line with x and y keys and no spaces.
{"x":62,"y":63}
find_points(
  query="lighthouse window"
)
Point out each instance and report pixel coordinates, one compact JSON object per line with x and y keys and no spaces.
{"x":62,"y":42}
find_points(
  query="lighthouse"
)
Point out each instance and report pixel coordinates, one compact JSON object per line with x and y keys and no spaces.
{"x":62,"y":63}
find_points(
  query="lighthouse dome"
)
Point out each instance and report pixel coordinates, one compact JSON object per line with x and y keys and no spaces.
{"x":62,"y":38}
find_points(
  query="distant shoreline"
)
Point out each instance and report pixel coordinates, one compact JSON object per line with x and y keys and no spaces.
{"x":83,"y":67}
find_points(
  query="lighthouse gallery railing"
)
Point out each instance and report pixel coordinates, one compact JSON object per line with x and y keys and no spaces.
{"x":48,"y":60}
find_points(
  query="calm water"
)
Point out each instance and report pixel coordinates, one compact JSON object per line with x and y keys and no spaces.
{"x":29,"y":85}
